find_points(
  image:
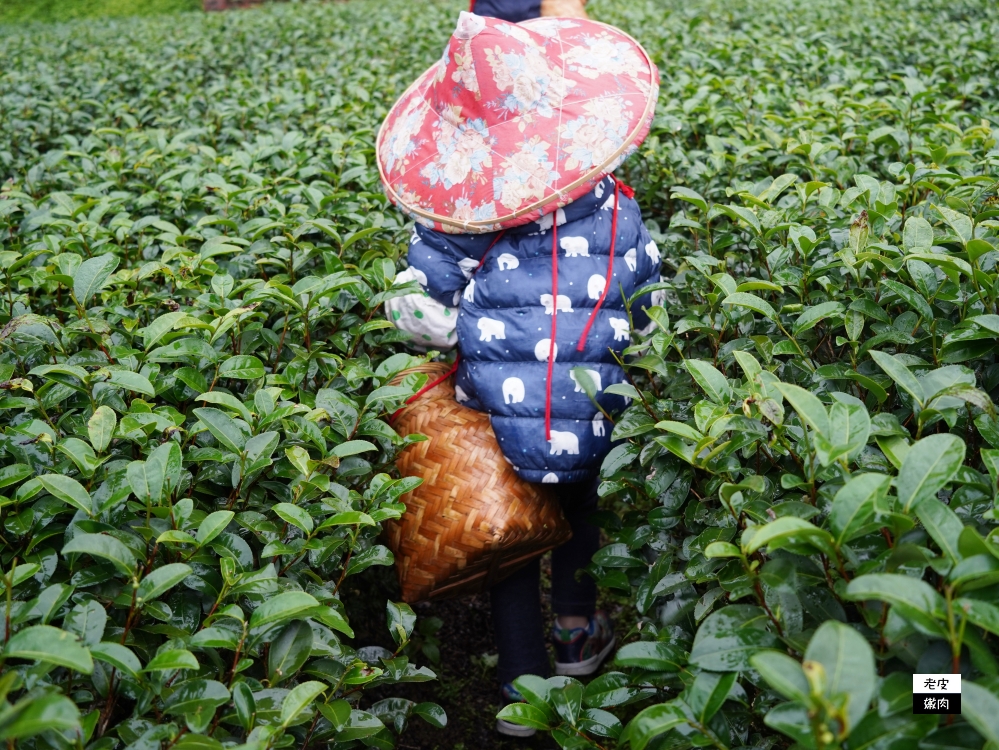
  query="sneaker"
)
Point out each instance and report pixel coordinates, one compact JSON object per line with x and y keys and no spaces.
{"x":510,"y":695}
{"x":581,"y":651}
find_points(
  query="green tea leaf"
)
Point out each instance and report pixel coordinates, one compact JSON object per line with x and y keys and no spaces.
{"x":911,"y":297}
{"x":729,"y":637}
{"x":918,"y":234}
{"x":242,"y":367}
{"x":788,"y":529}
{"x":431,"y":713}
{"x":900,"y":374}
{"x":213,"y":525}
{"x":981,"y":707}
{"x":752,"y":302}
{"x":711,"y":381}
{"x":782,"y":673}
{"x":92,"y":275}
{"x":160,"y":328}
{"x":298,"y":700}
{"x":132,"y":381}
{"x":223,"y":428}
{"x":81,"y":454}
{"x":168,"y":661}
{"x":815,"y":314}
{"x":50,"y":645}
{"x":33,"y":715}
{"x":524,"y":715}
{"x":982,"y":614}
{"x":101,"y":427}
{"x":120,"y":657}
{"x":285,"y":606}
{"x":927,"y":468}
{"x":69,"y":491}
{"x":401,"y":621}
{"x":196,"y":696}
{"x":652,"y":722}
{"x":295,"y":516}
{"x":105,"y":547}
{"x":808,"y":406}
{"x":897,"y":589}
{"x":352,"y":448}
{"x":289,"y":651}
{"x":848,"y":663}
{"x":161,"y":580}
{"x":942,"y":524}
{"x":853,"y":506}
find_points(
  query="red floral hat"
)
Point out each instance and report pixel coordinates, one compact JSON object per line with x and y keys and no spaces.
{"x":514,"y":121}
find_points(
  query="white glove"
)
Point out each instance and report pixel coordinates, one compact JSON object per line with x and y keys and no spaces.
{"x":431,"y":323}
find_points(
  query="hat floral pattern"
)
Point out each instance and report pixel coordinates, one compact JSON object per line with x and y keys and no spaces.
{"x":601,"y":54}
{"x":594,"y":137}
{"x":402,"y":139}
{"x":515,"y":120}
{"x":525,"y":176}
{"x":464,"y":72}
{"x":463,"y":150}
{"x":535,"y":87}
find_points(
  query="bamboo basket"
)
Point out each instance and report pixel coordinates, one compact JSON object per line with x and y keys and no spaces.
{"x":473,"y":521}
{"x":564,"y":8}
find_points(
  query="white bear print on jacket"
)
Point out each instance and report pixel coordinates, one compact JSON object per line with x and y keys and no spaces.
{"x":505,"y":318}
{"x":575,"y":247}
{"x":564,"y":304}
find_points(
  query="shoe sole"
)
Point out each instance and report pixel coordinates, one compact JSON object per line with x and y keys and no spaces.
{"x":586,"y":667}
{"x":514,"y":730}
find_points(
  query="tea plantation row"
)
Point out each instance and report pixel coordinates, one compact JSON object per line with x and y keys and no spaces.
{"x":15,"y":11}
{"x":196,"y":373}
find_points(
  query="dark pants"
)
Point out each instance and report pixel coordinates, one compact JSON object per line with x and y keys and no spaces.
{"x":516,"y":601}
{"x":513,"y":11}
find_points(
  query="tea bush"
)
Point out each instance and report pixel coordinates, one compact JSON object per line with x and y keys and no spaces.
{"x":63,"y":10}
{"x":195,"y":446}
{"x":196,"y":380}
{"x":806,"y":491}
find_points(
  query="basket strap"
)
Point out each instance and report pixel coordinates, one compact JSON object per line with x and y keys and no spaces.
{"x":424,"y":389}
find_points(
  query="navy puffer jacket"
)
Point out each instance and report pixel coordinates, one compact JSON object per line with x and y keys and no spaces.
{"x":505,"y":323}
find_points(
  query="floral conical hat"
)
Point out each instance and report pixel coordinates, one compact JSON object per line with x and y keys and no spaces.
{"x":514,"y":121}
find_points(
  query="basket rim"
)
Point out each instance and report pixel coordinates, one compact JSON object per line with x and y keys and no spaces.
{"x":429,"y":368}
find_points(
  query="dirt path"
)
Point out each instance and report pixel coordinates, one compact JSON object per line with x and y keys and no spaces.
{"x":467,"y":686}
{"x":468,"y":689}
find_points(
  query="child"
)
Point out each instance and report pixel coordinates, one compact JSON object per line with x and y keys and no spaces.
{"x":521,"y":10}
{"x":503,"y":153}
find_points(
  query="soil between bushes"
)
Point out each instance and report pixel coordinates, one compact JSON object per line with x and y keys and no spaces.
{"x":467,"y":689}
{"x":466,"y":686}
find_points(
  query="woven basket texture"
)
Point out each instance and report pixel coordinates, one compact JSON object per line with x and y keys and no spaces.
{"x":564,"y":8}
{"x":473,"y":521}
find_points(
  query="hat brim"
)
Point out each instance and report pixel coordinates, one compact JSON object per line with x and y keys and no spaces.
{"x":431,"y":205}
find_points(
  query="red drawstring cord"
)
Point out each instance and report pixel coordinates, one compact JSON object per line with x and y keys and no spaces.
{"x":619,"y":187}
{"x":607,"y":282}
{"x":491,"y":246}
{"x":551,"y":343}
